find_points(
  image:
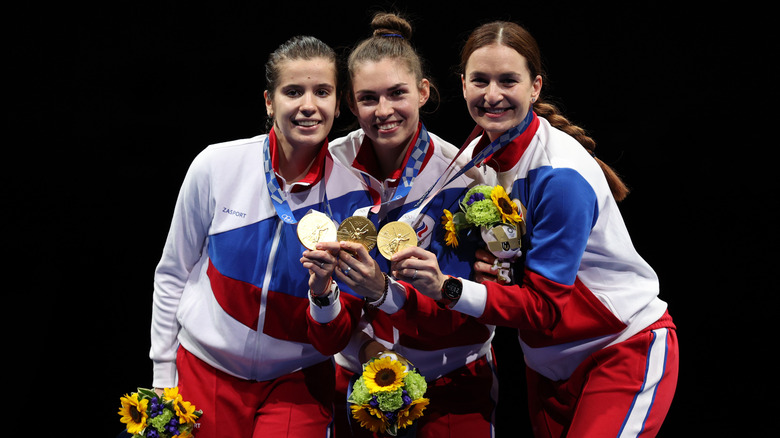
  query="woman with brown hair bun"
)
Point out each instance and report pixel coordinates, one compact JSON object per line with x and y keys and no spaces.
{"x":395,"y":159}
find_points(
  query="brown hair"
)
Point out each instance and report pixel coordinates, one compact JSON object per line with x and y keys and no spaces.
{"x":515,"y":36}
{"x":391,"y":38}
{"x":297,"y":47}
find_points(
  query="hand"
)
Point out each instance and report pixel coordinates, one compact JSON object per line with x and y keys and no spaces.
{"x":359,"y":271}
{"x":483,"y":266}
{"x":420,"y":268}
{"x":373,"y":349}
{"x":486,"y":268}
{"x":369,"y":350}
{"x":321,"y":262}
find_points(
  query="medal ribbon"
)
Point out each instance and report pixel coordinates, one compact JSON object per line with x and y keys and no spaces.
{"x":278,"y":196}
{"x":411,"y":170}
{"x":494,"y":146}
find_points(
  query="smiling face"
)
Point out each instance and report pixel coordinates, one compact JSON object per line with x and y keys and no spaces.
{"x":386,"y":99}
{"x":304,"y":102}
{"x":498,"y":88}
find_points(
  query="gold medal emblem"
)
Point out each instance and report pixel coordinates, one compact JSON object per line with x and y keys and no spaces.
{"x":316,"y":227}
{"x":358,"y":229}
{"x":395,"y":236}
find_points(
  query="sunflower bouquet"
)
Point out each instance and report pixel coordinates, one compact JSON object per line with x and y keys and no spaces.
{"x":147,"y":414}
{"x":499,"y":219}
{"x":388,"y":395}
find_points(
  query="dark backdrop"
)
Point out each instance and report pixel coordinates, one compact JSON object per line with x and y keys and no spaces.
{"x":137,"y":89}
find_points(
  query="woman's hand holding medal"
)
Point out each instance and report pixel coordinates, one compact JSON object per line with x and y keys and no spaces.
{"x":359,"y":271}
{"x":347,"y":247}
{"x":420,"y":268}
{"x":314,"y":229}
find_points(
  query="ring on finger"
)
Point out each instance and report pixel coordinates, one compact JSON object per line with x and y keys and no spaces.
{"x":415,"y":275}
{"x":346,"y":271}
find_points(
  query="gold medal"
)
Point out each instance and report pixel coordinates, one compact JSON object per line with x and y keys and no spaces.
{"x":316,"y":227}
{"x":395,"y":236}
{"x":358,"y":229}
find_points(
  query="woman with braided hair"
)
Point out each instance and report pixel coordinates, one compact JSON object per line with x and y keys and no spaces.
{"x":599,"y":344}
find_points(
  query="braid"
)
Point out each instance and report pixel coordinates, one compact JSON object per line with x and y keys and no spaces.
{"x":557,"y":120}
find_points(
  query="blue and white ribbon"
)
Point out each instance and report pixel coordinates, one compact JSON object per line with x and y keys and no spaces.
{"x":494,"y":146}
{"x":278,"y":196}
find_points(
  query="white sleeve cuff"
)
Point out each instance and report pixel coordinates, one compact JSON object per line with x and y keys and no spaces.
{"x":396,"y":297}
{"x":472,"y":300}
{"x":164,"y":375}
{"x":325,"y":312}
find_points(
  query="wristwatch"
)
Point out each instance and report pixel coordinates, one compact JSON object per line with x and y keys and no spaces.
{"x":450,"y":292}
{"x":323,"y":300}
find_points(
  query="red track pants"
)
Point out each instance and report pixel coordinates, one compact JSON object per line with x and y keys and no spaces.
{"x":624,"y":390}
{"x":295,"y":405}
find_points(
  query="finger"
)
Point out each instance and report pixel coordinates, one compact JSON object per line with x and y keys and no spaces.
{"x":319,"y":256}
{"x":412,"y":252}
{"x":318,"y":266}
{"x":484,"y":255}
{"x":484,"y":267}
{"x":330,"y":247}
{"x":482,"y":277}
{"x":307,"y":263}
{"x":344,"y":277}
{"x":341,"y":278}
{"x":354,"y":250}
{"x":479,"y":267}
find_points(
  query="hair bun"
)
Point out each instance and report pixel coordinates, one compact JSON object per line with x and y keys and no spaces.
{"x":391,"y":25}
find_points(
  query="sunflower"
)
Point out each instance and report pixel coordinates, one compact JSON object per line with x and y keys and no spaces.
{"x":451,"y":236}
{"x":172,"y":394}
{"x":133,"y":412}
{"x":506,"y":207}
{"x":384,"y":374}
{"x":184,"y":409}
{"x":369,"y":418}
{"x":412,"y":412}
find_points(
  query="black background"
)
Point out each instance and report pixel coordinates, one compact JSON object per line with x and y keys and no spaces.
{"x":127,"y":93}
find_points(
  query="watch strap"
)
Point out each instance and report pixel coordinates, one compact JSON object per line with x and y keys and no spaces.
{"x":323,"y":300}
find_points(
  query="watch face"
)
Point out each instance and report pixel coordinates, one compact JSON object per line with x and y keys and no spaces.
{"x":453,"y":288}
{"x":321,"y":301}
